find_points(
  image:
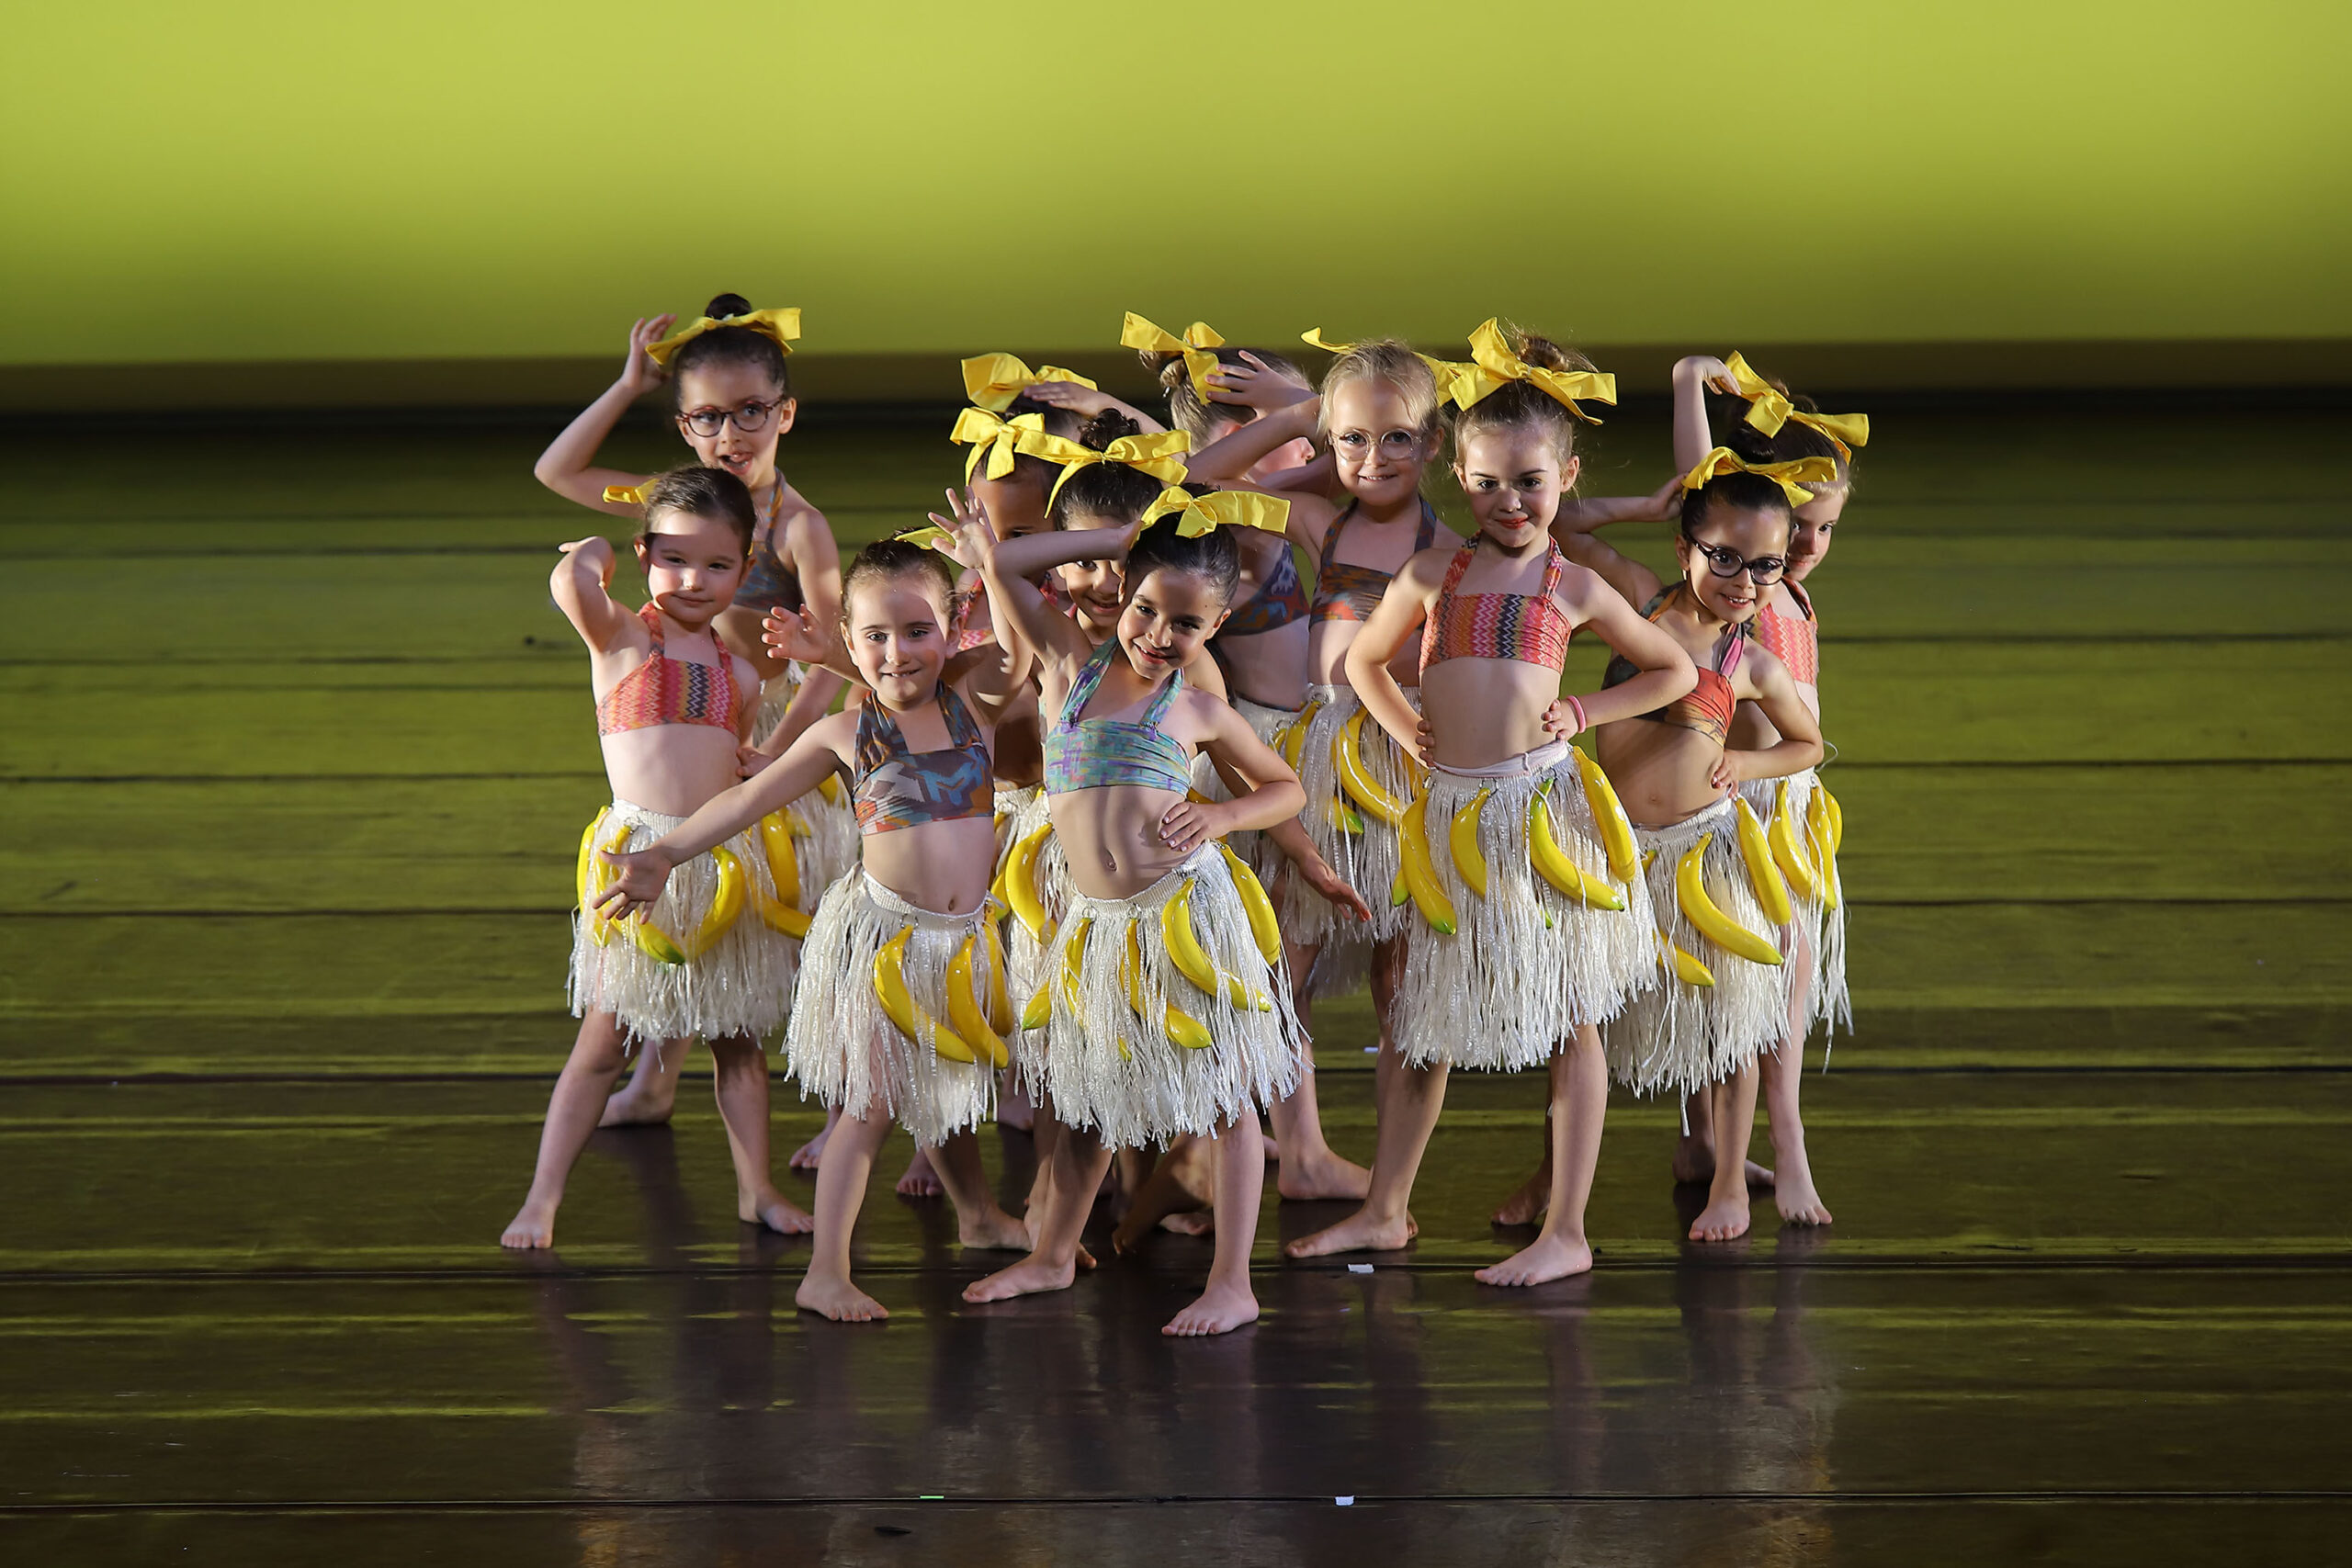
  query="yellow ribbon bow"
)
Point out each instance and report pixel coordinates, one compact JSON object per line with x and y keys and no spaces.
{"x":996,"y":439}
{"x":625,"y":495}
{"x":1768,"y":411}
{"x":931,"y":534}
{"x":1493,"y":365}
{"x":993,"y":380}
{"x":1447,"y":371}
{"x":1159,"y":454}
{"x":1194,"y":345}
{"x":1219,"y":509}
{"x":783,"y":324}
{"x":1791,"y":476}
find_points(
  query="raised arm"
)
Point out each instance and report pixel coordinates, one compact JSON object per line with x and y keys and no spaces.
{"x":1087,"y":402}
{"x":1225,"y":459}
{"x":1692,"y":376}
{"x":1016,"y":608}
{"x":581,"y":584}
{"x":568,"y":465}
{"x":1633,"y":581}
{"x":1583,"y":515}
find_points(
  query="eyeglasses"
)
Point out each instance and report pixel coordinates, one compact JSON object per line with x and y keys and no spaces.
{"x":751,"y":417}
{"x":1762,"y":571}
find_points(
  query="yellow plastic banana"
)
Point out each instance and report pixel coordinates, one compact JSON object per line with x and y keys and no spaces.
{"x":777,"y":916}
{"x":830,"y":788}
{"x":1344,"y":817}
{"x":964,"y":1007}
{"x":595,"y":876}
{"x":726,"y":904}
{"x":1264,"y":929}
{"x":587,"y":860}
{"x":1000,"y":1003}
{"x":1553,"y":864}
{"x":1821,"y":839}
{"x":1837,"y":818}
{"x":1420,"y":875}
{"x":1347,"y":756}
{"x":1787,"y":853}
{"x":1462,"y":838}
{"x":901,"y":1007}
{"x":1607,"y":816}
{"x":1684,"y":967}
{"x":1181,"y":1028}
{"x":1073,"y":962}
{"x":1291,"y":738}
{"x":1021,"y":882}
{"x":784,"y":859}
{"x":1691,"y":891}
{"x":1771,"y":893}
{"x":1192,"y":961}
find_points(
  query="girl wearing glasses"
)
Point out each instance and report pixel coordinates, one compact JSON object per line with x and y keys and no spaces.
{"x":1721,"y":897}
{"x":731,"y":401}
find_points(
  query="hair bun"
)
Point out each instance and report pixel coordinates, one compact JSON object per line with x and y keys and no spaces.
{"x":725,"y":305}
{"x":1545,"y":355}
{"x":1106,"y":427}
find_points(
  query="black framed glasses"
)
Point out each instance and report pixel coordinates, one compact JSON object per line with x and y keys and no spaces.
{"x":1762,"y":571}
{"x":749,"y":419}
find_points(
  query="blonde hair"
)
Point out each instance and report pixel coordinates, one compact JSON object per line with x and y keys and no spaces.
{"x":1392,"y":363}
{"x":1199,"y":417}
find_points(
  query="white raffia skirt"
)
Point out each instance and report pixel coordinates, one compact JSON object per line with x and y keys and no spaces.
{"x":1826,"y":998}
{"x":1679,"y":1036}
{"x":741,"y":984}
{"x":1256,"y":850}
{"x":1361,"y":847}
{"x":843,"y":1045}
{"x":832,"y":835}
{"x":1109,"y":1054}
{"x":1020,"y":814}
{"x":1525,"y":964}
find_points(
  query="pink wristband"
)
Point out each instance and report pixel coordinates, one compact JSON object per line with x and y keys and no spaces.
{"x":1581,"y":726}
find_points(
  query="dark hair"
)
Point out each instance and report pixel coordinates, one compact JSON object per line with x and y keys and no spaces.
{"x":893,"y":558}
{"x":1058,"y":420}
{"x":730,"y":345}
{"x":1748,"y":492}
{"x":699,"y":491}
{"x":1522,"y":405}
{"x":1213,"y":555}
{"x":1107,"y":489}
{"x":1196,"y":416}
{"x":1727,"y":412}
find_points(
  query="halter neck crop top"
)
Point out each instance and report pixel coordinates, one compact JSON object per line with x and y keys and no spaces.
{"x":898,"y":788}
{"x":1096,"y":753}
{"x":1345,"y":592}
{"x":664,"y":690}
{"x":1708,"y":708}
{"x":1795,"y":638}
{"x":1280,"y":600}
{"x":1529,"y":627}
{"x":769,"y":584}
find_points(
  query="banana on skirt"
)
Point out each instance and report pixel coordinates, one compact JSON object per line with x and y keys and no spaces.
{"x":1526,"y":963}
{"x":1827,"y":1001}
{"x":1349,"y":831}
{"x":737,"y":974}
{"x":1685,"y":1033}
{"x":1254,"y":849}
{"x":1134,"y":1044}
{"x":1021,"y":818}
{"x":842,"y":1044}
{"x":832,"y":846}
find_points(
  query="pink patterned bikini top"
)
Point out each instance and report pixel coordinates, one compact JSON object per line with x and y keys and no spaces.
{"x":664,"y":690}
{"x":1529,"y":627}
{"x":1795,"y":638}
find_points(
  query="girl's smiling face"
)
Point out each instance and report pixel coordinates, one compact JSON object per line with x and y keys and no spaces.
{"x":1377,"y":445}
{"x":730,"y":387}
{"x":1514,"y":480}
{"x":1810,"y":527}
{"x":692,"y":564}
{"x":1752,"y":534}
{"x":1167,"y":619}
{"x":1097,"y":588}
{"x":898,"y":636}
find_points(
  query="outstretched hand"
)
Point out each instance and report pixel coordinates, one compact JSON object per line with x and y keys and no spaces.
{"x":638,"y":373}
{"x":1258,"y":385}
{"x":642,"y":876}
{"x":794,"y":635}
{"x":974,"y":541}
{"x":1335,"y":888}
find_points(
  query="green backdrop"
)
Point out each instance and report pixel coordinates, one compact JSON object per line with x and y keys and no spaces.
{"x":273,"y":180}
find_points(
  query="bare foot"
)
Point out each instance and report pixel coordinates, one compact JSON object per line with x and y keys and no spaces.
{"x":993,"y":1230}
{"x":1026,"y":1278}
{"x":1202,"y":1224}
{"x":774,"y":1210}
{"x":1274,"y":1146}
{"x":1799,"y":1204}
{"x":1326,"y":1175}
{"x":838,"y":1299}
{"x":1182,"y":1181}
{"x":1694,"y":1160}
{"x":533,"y":1225}
{"x":630,"y":1108}
{"x":1526,"y":1205}
{"x":1220,"y":1310}
{"x":1360,"y":1232}
{"x":806,"y":1156}
{"x":920,"y":1180}
{"x":1545,"y":1258}
{"x":1723,"y":1219}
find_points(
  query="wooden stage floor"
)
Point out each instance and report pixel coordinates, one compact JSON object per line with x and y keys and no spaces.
{"x":296,"y":756}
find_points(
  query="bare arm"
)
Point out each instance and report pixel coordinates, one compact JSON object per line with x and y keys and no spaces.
{"x":1666,"y":671}
{"x":1088,"y":402}
{"x":1025,"y":623}
{"x":1396,"y":621}
{"x":568,"y":466}
{"x":1692,"y":439}
{"x":581,"y":586}
{"x":1585,"y":514}
{"x":1273,"y":795}
{"x":1632,"y":579}
{"x":1234,"y":454}
{"x":1774,"y":691}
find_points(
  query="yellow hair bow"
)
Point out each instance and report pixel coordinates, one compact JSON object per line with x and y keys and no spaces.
{"x":1791,"y":476}
{"x":1493,"y":365}
{"x":1194,"y":345}
{"x":993,"y":380}
{"x":1219,"y":509}
{"x":1159,"y":454}
{"x":1447,"y":371}
{"x":930,"y":535}
{"x":994,"y":438}
{"x":783,"y":324}
{"x":1768,"y":409}
{"x":625,"y":495}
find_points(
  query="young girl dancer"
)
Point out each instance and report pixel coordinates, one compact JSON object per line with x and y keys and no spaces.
{"x":673,"y":704}
{"x":731,"y":400}
{"x":1719,"y":879}
{"x":1530,"y":931}
{"x":901,"y":1011}
{"x":1165,"y":1010}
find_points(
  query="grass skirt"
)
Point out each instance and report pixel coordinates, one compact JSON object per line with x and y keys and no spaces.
{"x":831,"y":848}
{"x":1021,"y":812}
{"x":1110,"y":1067}
{"x":1367,"y":859}
{"x":742,"y":986}
{"x":1826,"y":1000}
{"x":1683,"y":1037}
{"x":1256,"y":851}
{"x":1526,"y":964}
{"x":843,"y":1046}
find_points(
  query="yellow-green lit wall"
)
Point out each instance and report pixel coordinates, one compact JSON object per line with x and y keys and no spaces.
{"x":273,"y":181}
